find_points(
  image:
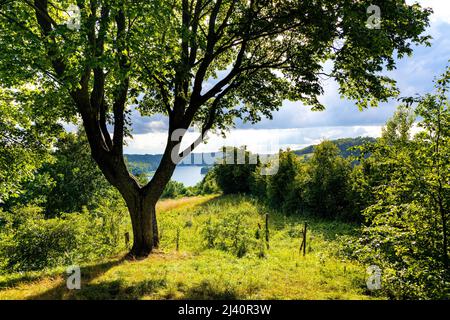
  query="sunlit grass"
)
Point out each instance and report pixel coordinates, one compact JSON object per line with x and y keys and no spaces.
{"x":186,"y":203}
{"x":195,"y":272}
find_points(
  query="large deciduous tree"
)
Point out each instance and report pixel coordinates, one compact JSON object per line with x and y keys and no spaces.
{"x":159,"y":55}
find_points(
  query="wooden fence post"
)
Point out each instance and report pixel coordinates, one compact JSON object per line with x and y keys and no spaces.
{"x":304,"y":238}
{"x":178,"y":239}
{"x":267,"y":231}
{"x":303,"y":244}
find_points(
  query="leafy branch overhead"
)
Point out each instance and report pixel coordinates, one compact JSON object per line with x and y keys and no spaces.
{"x":204,"y":61}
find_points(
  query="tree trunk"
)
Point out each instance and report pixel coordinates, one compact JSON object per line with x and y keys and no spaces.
{"x":141,"y":200}
{"x":141,"y":214}
{"x":142,"y":206}
{"x":145,"y":230}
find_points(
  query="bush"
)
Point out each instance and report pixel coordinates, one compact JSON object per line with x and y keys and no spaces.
{"x":258,"y":183}
{"x":235,"y":233}
{"x":401,"y":240}
{"x":208,"y":185}
{"x":29,"y":241}
{"x":46,"y":243}
{"x":285,"y":189}
{"x":235,"y":178}
{"x":327,"y":188}
{"x":69,"y":182}
{"x":174,"y":189}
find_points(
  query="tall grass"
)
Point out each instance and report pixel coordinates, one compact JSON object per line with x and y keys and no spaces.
{"x":199,"y":270}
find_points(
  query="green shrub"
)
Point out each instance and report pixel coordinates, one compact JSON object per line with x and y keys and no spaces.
{"x":208,"y":185}
{"x":45,"y":243}
{"x":281,"y":184}
{"x":69,"y":182}
{"x":235,"y":177}
{"x":328,"y":187}
{"x":28,"y":241}
{"x":174,"y":189}
{"x":401,"y":240}
{"x":235,"y":232}
{"x":258,"y":183}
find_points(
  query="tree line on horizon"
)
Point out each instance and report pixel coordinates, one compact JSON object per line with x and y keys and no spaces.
{"x":145,"y":163}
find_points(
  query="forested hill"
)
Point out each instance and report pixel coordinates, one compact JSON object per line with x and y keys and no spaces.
{"x":141,"y":163}
{"x":343,"y":144}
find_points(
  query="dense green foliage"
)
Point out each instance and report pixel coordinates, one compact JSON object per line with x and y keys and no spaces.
{"x":319,"y":185}
{"x":65,"y":213}
{"x":233,"y":172}
{"x":174,"y":189}
{"x":208,"y":185}
{"x":235,"y":233}
{"x":30,"y":241}
{"x":27,"y":130}
{"x":327,"y":185}
{"x":166,"y":57}
{"x":70,"y":181}
{"x":399,"y":186}
{"x":408,"y":206}
{"x":37,"y":243}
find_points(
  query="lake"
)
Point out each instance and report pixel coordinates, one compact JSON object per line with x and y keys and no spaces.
{"x":189,"y":176}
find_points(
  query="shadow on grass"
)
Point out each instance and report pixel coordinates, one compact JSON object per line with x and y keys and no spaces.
{"x":121,"y":290}
{"x":208,"y":291}
{"x":11,"y":282}
{"x":88,"y":273}
{"x":118,"y":290}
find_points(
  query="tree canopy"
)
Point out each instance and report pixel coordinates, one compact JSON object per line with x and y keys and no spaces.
{"x":159,"y":55}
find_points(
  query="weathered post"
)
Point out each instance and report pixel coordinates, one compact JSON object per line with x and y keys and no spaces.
{"x":303,"y":244}
{"x":267,"y":231}
{"x":304,"y":239}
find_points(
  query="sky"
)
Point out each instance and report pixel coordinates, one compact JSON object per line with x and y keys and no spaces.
{"x":295,"y":126}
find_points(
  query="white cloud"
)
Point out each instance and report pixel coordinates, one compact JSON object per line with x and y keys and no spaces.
{"x":150,"y":143}
{"x":256,"y":140}
{"x":157,"y":125}
{"x":441,"y":9}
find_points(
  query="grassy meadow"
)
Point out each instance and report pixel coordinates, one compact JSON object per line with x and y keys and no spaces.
{"x":213,"y":247}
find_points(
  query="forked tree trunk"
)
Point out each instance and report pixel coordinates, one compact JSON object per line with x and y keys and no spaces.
{"x":141,"y":200}
{"x":141,"y":204}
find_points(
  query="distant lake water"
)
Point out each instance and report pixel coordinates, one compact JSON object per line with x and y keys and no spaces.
{"x":189,"y":176}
